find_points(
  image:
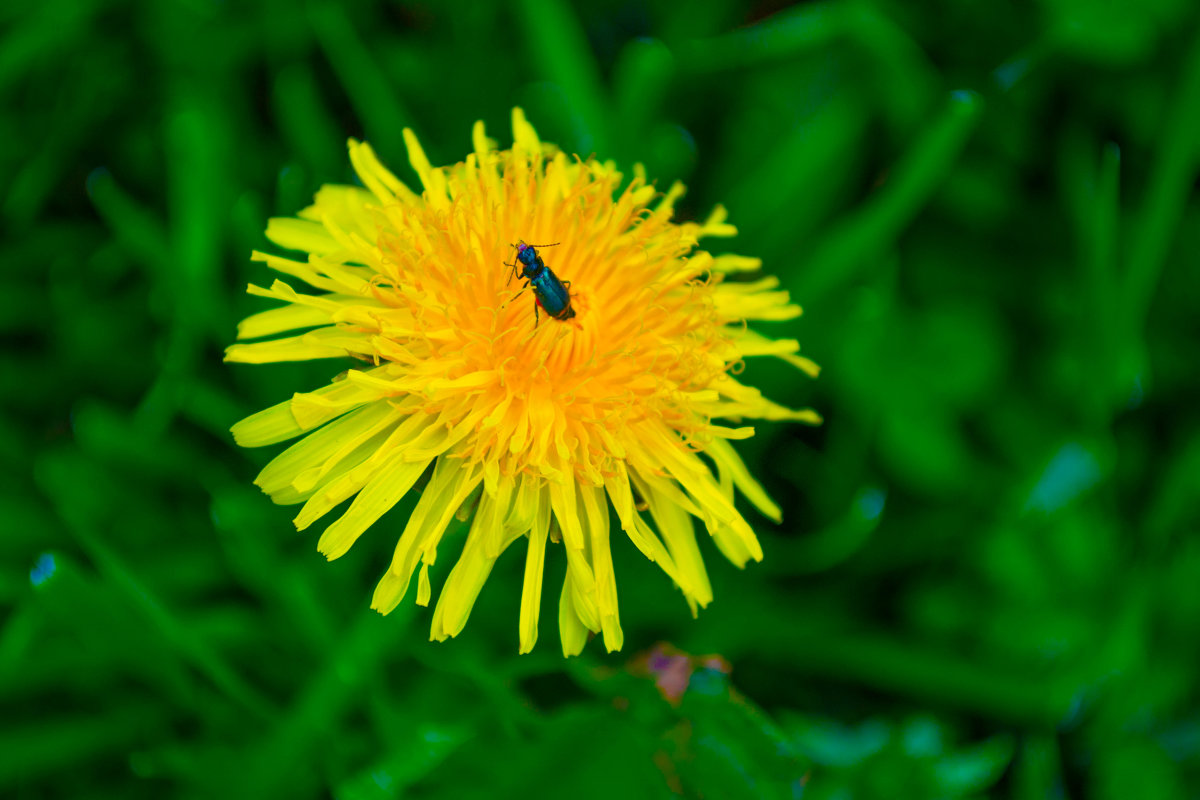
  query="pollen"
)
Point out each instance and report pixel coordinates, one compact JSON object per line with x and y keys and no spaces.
{"x":535,"y":427}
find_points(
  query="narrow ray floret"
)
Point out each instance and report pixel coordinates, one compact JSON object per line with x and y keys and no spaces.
{"x":531,"y":428}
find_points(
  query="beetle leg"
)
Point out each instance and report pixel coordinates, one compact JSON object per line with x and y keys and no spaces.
{"x":515,"y":296}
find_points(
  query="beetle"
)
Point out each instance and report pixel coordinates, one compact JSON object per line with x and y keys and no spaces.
{"x":549,"y":291}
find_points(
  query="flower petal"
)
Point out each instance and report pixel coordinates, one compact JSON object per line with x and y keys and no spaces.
{"x":535,"y":562}
{"x":595,"y":505}
{"x":329,"y":342}
{"x":571,"y":629}
{"x":432,"y":178}
{"x":566,"y":512}
{"x":277,"y":320}
{"x":445,"y":491}
{"x":376,"y":177}
{"x":727,"y":459}
{"x":391,"y":483}
{"x":300,"y":234}
{"x":321,"y":446}
{"x":636,"y":529}
{"x":678,"y":531}
{"x":470,"y":572}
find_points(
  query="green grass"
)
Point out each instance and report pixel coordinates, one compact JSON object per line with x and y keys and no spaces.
{"x":985,"y":582}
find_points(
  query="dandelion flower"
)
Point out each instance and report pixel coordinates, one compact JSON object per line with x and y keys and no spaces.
{"x":533,"y":426}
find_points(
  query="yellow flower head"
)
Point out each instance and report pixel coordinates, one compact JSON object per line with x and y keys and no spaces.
{"x":534,"y":424}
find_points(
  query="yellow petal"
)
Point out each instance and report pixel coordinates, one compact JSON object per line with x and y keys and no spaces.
{"x":750,"y":343}
{"x":271,"y":425}
{"x":277,"y":320}
{"x":297,"y":269}
{"x":734,"y":263}
{"x":667,"y":205}
{"x":330,"y":342}
{"x":770,"y":306}
{"x":637,"y":530}
{"x":595,"y":505}
{"x":376,"y":498}
{"x":299,"y":234}
{"x":469,"y":574}
{"x":376,"y":177}
{"x":293,"y":417}
{"x":444,"y":493}
{"x":346,"y":207}
{"x":732,"y":545}
{"x":571,"y":629}
{"x":698,"y":482}
{"x":679,"y":533}
{"x":566,"y":512}
{"x":432,"y":178}
{"x":367,"y":433}
{"x":716,"y":225}
{"x":317,"y":448}
{"x":727,"y":459}
{"x":424,"y":590}
{"x":525,"y":138}
{"x":317,"y":407}
{"x":535,"y":561}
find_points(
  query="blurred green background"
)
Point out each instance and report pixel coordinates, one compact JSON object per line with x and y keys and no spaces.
{"x":988,"y":579}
